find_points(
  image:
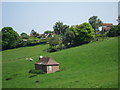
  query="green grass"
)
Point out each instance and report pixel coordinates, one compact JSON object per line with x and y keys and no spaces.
{"x":93,"y":65}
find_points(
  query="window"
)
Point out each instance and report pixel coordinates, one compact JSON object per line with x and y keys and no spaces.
{"x":49,"y":68}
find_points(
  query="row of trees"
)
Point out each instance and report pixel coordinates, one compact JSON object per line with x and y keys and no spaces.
{"x":70,"y":36}
{"x":63,"y":36}
{"x":11,"y":39}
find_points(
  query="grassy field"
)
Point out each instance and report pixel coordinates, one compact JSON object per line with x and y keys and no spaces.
{"x":94,"y":65}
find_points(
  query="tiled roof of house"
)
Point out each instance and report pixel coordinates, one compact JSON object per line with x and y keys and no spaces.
{"x":107,"y":24}
{"x":47,"y":61}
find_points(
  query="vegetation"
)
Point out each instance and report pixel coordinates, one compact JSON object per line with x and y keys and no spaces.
{"x":114,"y":31}
{"x":10,"y":38}
{"x":33,"y":71}
{"x":84,"y":33}
{"x":62,"y":36}
{"x":73,"y":36}
{"x":94,"y":65}
{"x":68,"y":38}
{"x":24,"y":36}
{"x":95,"y":22}
{"x":34,"y":33}
{"x":59,"y":28}
{"x":48,"y":32}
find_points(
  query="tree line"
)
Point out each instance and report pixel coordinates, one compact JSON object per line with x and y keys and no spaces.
{"x":63,"y":36}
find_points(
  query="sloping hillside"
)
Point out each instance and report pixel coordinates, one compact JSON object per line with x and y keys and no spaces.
{"x":93,"y":65}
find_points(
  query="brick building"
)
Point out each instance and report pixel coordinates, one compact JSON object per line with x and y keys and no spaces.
{"x":47,"y":64}
{"x":106,"y":26}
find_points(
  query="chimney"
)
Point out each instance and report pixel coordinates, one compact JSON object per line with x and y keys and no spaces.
{"x":40,"y":57}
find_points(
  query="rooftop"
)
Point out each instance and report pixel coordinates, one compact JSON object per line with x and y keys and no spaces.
{"x":46,"y":61}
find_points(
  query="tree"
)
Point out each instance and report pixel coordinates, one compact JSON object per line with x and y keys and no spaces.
{"x":48,"y":32}
{"x":24,"y":36}
{"x":95,"y":22}
{"x":118,"y":20}
{"x":59,"y":28}
{"x":34,"y":33}
{"x":10,"y":38}
{"x":114,"y":31}
{"x":69,"y":37}
{"x":84,"y":33}
{"x":0,"y":41}
{"x":53,"y":41}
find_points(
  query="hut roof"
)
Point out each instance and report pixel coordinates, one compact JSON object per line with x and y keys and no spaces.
{"x":47,"y":61}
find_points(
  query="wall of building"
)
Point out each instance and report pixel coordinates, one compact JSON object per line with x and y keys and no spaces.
{"x":54,"y":68}
{"x":40,"y":67}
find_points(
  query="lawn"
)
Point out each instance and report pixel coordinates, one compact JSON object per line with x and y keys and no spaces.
{"x":94,"y":65}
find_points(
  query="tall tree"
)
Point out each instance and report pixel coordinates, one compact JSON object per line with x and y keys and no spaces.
{"x":69,"y":37}
{"x":24,"y":36}
{"x":59,"y":28}
{"x":95,"y":22}
{"x":10,"y":38}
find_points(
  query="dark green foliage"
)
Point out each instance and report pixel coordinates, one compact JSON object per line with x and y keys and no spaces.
{"x":114,"y":31}
{"x":0,"y":41}
{"x":48,"y":32}
{"x":32,"y":75}
{"x":59,"y":28}
{"x":53,"y":41}
{"x":36,"y":71}
{"x":95,"y":22}
{"x":24,"y":36}
{"x":8,"y":78}
{"x":68,"y":37}
{"x":52,"y":49}
{"x":84,"y":33}
{"x":10,"y":38}
{"x":74,"y":36}
{"x":37,"y":81}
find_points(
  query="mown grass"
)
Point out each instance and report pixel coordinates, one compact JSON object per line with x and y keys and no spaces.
{"x":94,"y":65}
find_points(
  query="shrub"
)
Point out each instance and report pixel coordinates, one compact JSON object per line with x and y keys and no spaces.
{"x":114,"y":31}
{"x":52,"y":49}
{"x":36,"y":71}
{"x":32,"y":75}
{"x":8,"y":78}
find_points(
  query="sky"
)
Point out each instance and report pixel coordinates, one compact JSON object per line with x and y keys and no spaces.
{"x":41,"y":16}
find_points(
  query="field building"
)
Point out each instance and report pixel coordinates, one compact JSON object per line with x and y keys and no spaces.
{"x":47,"y":64}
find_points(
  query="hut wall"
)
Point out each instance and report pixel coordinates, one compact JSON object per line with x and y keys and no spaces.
{"x":51,"y":69}
{"x":41,"y":67}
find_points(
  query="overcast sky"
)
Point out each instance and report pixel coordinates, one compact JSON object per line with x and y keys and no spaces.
{"x":41,"y":16}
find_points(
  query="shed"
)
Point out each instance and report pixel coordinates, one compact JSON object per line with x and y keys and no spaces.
{"x":47,"y":64}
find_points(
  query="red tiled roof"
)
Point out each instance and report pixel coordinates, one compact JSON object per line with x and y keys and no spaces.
{"x":107,"y":24}
{"x":47,"y":61}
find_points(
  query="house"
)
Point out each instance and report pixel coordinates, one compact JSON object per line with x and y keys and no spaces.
{"x":106,"y":26}
{"x":47,"y":64}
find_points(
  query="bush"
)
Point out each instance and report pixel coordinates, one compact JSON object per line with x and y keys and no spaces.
{"x":32,"y":75}
{"x":114,"y":31}
{"x":52,"y":49}
{"x":8,"y":78}
{"x":36,"y":71}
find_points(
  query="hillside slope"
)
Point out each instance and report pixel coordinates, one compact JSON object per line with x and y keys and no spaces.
{"x":93,"y":65}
